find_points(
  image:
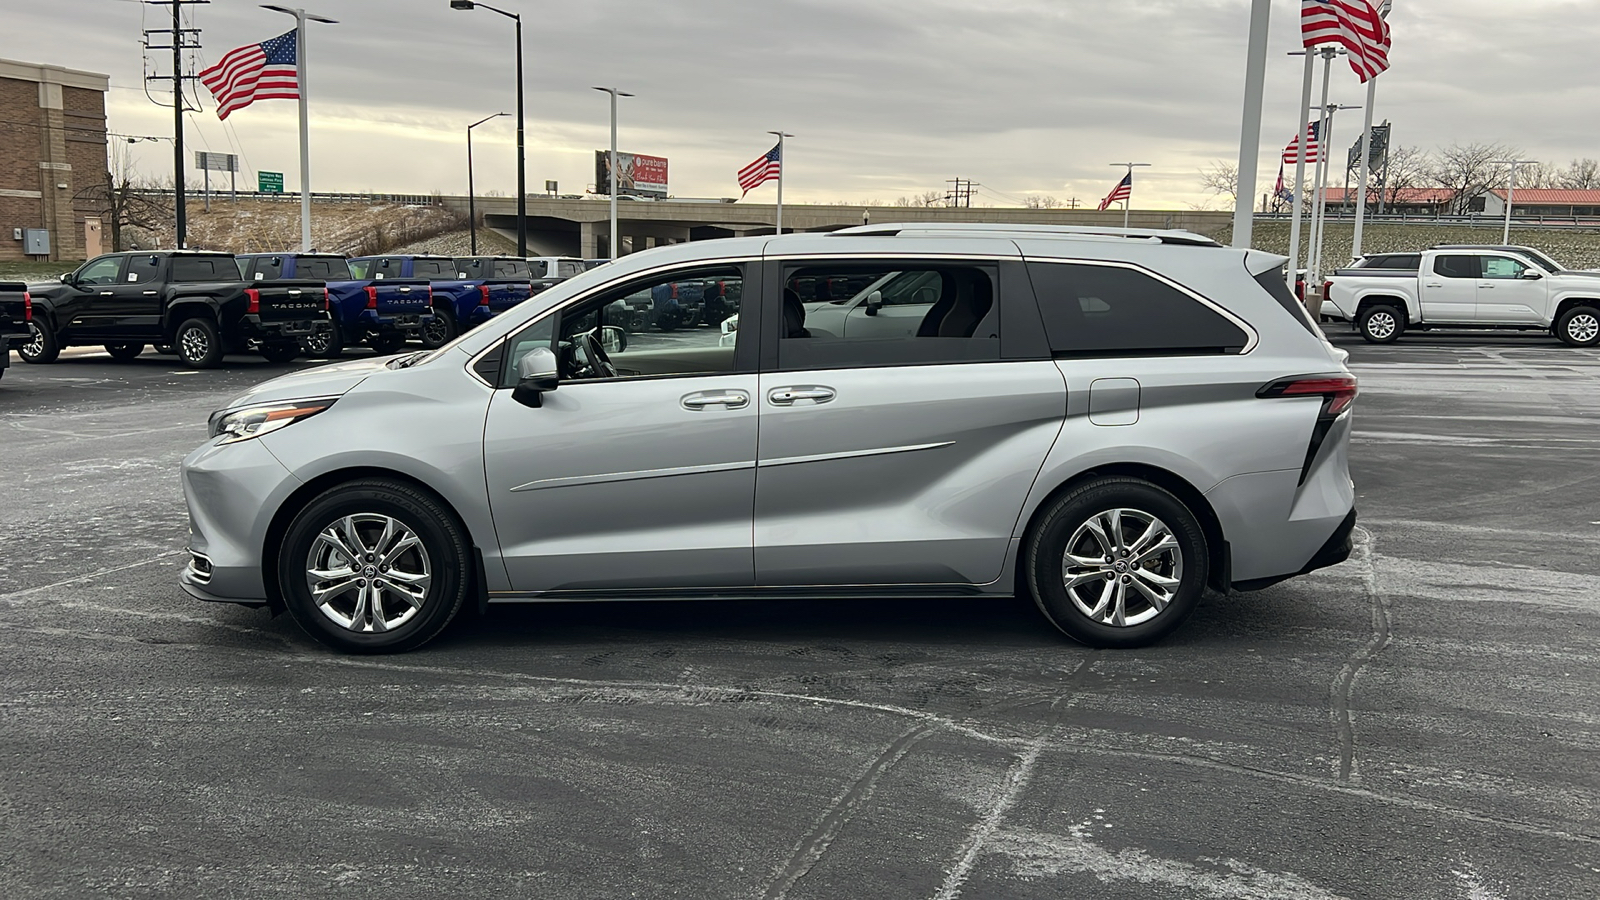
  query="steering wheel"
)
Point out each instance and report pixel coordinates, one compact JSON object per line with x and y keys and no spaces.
{"x":596,"y":364}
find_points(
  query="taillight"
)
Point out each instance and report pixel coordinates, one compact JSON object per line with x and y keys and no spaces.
{"x":1337,"y":391}
{"x":326,"y":305}
{"x":372,"y":297}
{"x":254,"y":297}
{"x":483,"y":289}
{"x":27,"y":307}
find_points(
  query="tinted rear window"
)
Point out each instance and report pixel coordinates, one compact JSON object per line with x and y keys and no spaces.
{"x":510,"y":268}
{"x":325,"y":269}
{"x":1405,"y":261}
{"x":1092,"y":310}
{"x":538,"y":268}
{"x":217,"y":268}
{"x":433,"y":268}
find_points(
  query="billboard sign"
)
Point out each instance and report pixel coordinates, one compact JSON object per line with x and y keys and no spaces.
{"x":645,"y":176}
{"x":216,"y":162}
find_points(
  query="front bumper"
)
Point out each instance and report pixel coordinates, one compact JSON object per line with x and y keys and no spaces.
{"x":232,"y":491}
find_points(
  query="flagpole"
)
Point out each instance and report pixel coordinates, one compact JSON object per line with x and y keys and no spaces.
{"x":781,"y":166}
{"x":1300,"y":169}
{"x":305,"y":131}
{"x":1366,"y":153}
{"x":1255,"y":77}
{"x":1325,"y":144}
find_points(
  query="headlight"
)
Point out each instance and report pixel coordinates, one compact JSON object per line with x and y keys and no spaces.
{"x":253,"y":421}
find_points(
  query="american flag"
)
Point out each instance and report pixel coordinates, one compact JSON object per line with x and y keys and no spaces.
{"x":1281,"y":191}
{"x":264,"y":71}
{"x":1123,"y":191}
{"x":1355,"y":24}
{"x":764,"y":169}
{"x":1291,"y":153}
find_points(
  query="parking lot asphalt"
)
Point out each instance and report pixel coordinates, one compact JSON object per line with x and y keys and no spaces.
{"x":1422,"y":721}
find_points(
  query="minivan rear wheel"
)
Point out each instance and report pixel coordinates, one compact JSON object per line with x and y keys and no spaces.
{"x":1117,"y":562}
{"x":374,"y":566}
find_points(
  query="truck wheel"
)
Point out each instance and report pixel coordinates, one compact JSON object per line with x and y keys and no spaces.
{"x":280,"y":351}
{"x":199,"y":345}
{"x":442,"y":330}
{"x":374,"y":566}
{"x":1117,"y":562}
{"x":325,"y":344}
{"x":1381,"y":324}
{"x":124,"y":352}
{"x":386,"y":344}
{"x":41,"y":346}
{"x":1579,"y":326}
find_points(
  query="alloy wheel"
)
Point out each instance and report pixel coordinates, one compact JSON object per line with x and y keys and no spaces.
{"x":33,"y":347}
{"x":1381,"y":325}
{"x":194,"y":344}
{"x":1122,"y":567}
{"x":1583,"y":328}
{"x":368,"y":573}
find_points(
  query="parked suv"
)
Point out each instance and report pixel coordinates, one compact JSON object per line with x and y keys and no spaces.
{"x":1108,"y":422}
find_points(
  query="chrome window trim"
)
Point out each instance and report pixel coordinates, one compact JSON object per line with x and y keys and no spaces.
{"x":472,"y":361}
{"x":909,"y":255}
{"x":1254,"y":339}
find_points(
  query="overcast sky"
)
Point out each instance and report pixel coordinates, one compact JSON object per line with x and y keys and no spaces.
{"x":886,"y":97}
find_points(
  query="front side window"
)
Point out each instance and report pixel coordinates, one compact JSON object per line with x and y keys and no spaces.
{"x":679,"y":330}
{"x":1455,"y":266}
{"x":847,"y":314}
{"x":1100,"y":310}
{"x":142,"y":269}
{"x":1503,"y":267}
{"x":101,"y":271}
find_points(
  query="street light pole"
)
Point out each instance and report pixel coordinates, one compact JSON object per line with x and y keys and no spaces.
{"x":611,"y":167}
{"x":1511,"y":189}
{"x":522,"y":162}
{"x":472,"y":195}
{"x":1255,"y":75}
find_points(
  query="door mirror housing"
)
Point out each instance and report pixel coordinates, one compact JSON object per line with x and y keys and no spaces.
{"x":874,"y":302}
{"x":1532,"y":274}
{"x":537,"y":372}
{"x":613,"y":339}
{"x":67,"y":278}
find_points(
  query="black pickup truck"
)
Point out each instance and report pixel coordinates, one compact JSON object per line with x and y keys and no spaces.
{"x":195,"y":301}
{"x":15,"y":311}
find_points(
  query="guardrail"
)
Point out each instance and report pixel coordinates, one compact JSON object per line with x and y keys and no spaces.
{"x":327,"y":197}
{"x":1348,"y":215}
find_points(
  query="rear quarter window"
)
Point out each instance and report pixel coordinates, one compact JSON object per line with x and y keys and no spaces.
{"x":1102,"y":310}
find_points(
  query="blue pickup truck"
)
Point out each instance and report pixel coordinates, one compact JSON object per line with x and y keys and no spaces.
{"x":467,"y":290}
{"x":381,"y":312}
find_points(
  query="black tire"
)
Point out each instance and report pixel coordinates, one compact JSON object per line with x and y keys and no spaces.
{"x":442,"y":330}
{"x":1579,"y":326}
{"x":387,"y":344}
{"x":198,"y":344}
{"x":124,"y":352}
{"x":280,"y":351}
{"x":670,"y":318}
{"x":1065,"y":527}
{"x":325,"y":344}
{"x":41,"y":346}
{"x":1381,"y":323}
{"x":445,"y":556}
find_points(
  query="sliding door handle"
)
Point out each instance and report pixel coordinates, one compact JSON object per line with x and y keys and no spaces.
{"x":786,"y":396}
{"x":725,"y":399}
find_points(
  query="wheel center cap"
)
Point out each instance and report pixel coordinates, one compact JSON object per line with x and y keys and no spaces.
{"x":1121,"y":566}
{"x":370,"y":571}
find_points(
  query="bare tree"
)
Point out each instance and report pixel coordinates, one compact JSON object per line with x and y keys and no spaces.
{"x":1537,"y":175}
{"x":126,"y":200}
{"x":1221,"y":178}
{"x":1409,"y":168}
{"x":1469,"y":171}
{"x":1581,"y":175}
{"x":1041,"y":201}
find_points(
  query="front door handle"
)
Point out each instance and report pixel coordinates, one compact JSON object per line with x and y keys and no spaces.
{"x":725,"y":399}
{"x":148,"y":293}
{"x":105,"y":293}
{"x":786,"y":396}
{"x":1434,"y":284}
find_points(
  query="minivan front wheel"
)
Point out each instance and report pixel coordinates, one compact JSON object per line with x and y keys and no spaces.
{"x":374,"y":566}
{"x":1117,"y":562}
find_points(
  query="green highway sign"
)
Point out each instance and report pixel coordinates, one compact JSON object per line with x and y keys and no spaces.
{"x":270,"y":182}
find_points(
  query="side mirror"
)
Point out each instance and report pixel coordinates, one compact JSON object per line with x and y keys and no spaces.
{"x":874,"y":302}
{"x":1532,"y":274}
{"x":537,"y":372}
{"x":613,"y":339}
{"x":69,"y":278}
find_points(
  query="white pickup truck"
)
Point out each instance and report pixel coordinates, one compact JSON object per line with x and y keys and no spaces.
{"x":1470,"y":288}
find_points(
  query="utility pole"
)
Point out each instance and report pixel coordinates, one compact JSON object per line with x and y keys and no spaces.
{"x":181,"y":39}
{"x":960,"y":195}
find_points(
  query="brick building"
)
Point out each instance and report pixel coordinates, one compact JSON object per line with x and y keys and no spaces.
{"x":52,"y":158}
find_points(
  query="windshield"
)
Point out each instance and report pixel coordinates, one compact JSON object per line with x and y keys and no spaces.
{"x":1544,"y":261}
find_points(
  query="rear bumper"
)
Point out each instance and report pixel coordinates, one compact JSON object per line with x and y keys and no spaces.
{"x":1336,"y":550}
{"x":389,"y":323}
{"x":252,"y":328}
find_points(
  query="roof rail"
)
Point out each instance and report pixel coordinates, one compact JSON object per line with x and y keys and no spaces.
{"x":1165,"y":236}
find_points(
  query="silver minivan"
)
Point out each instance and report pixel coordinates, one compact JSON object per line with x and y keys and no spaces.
{"x":1108,"y":421}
